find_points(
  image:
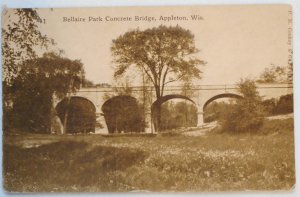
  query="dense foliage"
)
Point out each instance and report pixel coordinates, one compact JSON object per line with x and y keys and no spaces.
{"x":123,"y":114}
{"x":214,"y":110}
{"x":248,"y":114}
{"x":30,"y":106}
{"x":284,"y":105}
{"x":176,"y":115}
{"x":164,"y":54}
{"x":20,"y":40}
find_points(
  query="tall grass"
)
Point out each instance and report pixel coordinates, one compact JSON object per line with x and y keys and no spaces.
{"x":215,"y":162}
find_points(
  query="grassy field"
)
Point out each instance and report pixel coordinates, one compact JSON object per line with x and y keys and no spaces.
{"x":93,"y":163}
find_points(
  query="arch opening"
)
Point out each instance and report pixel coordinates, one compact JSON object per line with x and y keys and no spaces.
{"x":168,"y":116}
{"x":123,"y":114}
{"x":212,"y":108}
{"x":81,"y":114}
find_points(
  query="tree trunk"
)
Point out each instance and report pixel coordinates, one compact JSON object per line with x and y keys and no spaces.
{"x":66,"y":114}
{"x":67,"y":108}
{"x":159,"y":117}
{"x":156,"y":116}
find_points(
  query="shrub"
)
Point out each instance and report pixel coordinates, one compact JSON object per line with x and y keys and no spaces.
{"x":213,"y":110}
{"x":285,"y":127}
{"x":248,"y":114}
{"x":270,"y":105}
{"x":285,"y":104}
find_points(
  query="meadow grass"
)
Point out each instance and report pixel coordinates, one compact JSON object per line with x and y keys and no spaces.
{"x":92,"y":163}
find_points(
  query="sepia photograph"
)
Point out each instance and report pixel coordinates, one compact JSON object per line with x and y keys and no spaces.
{"x":148,"y":99}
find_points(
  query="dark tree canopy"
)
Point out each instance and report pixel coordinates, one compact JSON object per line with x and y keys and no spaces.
{"x":20,"y":39}
{"x":33,"y":90}
{"x":164,"y":54}
{"x":57,"y":74}
{"x":122,"y":113}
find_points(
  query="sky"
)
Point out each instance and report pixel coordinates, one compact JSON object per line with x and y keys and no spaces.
{"x":235,"y":41}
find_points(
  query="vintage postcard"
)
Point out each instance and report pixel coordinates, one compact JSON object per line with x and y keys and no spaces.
{"x":159,"y":99}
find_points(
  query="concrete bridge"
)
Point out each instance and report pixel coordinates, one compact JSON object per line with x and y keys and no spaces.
{"x":200,"y":95}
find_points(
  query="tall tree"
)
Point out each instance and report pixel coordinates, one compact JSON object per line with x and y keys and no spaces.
{"x":164,"y":54}
{"x":277,"y":74}
{"x":20,"y":40}
{"x":39,"y":81}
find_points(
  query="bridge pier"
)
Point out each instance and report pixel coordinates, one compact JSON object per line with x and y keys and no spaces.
{"x":148,"y":123}
{"x":200,"y":119}
{"x":100,"y":119}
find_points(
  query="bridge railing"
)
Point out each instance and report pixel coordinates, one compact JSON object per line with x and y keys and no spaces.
{"x":180,"y":88}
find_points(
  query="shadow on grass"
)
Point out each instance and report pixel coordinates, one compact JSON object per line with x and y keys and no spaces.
{"x":65,"y":166}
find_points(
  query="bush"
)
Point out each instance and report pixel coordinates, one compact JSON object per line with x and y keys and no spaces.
{"x":285,"y":104}
{"x":248,"y":114}
{"x":213,"y":110}
{"x":270,"y":105}
{"x":284,"y":127}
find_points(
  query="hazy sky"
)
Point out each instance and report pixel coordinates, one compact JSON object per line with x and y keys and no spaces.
{"x":235,"y":41}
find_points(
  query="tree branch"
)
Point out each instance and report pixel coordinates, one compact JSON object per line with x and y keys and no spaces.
{"x":163,"y":82}
{"x":148,"y":75}
{"x":174,"y":79}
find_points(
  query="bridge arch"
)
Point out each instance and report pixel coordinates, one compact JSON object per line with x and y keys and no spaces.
{"x":225,"y":95}
{"x":81,"y":116}
{"x":165,"y":98}
{"x":123,"y":114}
{"x":155,"y":105}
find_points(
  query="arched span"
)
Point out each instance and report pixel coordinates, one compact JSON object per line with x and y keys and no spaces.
{"x":78,"y":97}
{"x":156,"y":107}
{"x":86,"y":99}
{"x":226,"y":95}
{"x":165,"y":98}
{"x":118,"y":99}
{"x":79,"y":112}
{"x":123,"y":114}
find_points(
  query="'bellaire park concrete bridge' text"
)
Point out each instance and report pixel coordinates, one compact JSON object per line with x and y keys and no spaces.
{"x":200,"y":95}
